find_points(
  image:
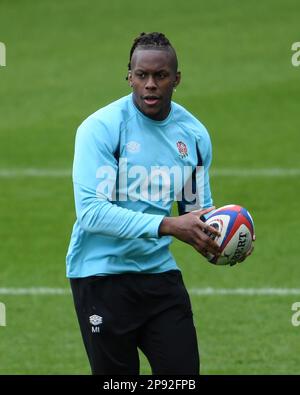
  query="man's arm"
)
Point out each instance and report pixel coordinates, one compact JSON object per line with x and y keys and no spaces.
{"x":94,"y":149}
{"x":190,"y":229}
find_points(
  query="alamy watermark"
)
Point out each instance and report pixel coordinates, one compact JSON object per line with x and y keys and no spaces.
{"x":2,"y":314}
{"x":296,"y":316}
{"x":296,"y":56}
{"x":156,"y":184}
{"x":2,"y":54}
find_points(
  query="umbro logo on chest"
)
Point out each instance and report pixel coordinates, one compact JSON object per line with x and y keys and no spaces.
{"x":133,"y":146}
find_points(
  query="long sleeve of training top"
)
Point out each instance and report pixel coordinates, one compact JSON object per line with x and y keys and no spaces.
{"x":95,"y":149}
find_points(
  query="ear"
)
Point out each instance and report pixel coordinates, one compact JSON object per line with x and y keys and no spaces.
{"x":129,"y":77}
{"x":177,"y":79}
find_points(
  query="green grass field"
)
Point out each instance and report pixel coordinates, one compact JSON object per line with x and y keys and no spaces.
{"x":65,"y":59}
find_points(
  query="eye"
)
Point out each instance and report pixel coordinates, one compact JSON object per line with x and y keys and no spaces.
{"x":162,"y":75}
{"x":140,"y":74}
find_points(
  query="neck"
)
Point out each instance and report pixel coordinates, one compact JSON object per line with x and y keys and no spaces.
{"x":161,"y":115}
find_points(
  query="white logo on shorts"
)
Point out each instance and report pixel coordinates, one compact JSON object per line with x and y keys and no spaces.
{"x":95,"y":319}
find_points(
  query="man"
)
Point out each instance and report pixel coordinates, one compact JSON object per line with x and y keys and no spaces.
{"x":130,"y":157}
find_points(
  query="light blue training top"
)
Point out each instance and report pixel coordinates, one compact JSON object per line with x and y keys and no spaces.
{"x":128,"y":170}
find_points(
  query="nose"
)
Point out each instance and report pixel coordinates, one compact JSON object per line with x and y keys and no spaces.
{"x":150,"y":83}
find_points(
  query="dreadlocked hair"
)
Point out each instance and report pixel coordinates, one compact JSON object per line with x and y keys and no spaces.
{"x":150,"y":40}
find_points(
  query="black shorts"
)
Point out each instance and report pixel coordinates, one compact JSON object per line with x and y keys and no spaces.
{"x":120,"y":313}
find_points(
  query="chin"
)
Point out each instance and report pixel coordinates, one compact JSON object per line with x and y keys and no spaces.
{"x":151,"y":112}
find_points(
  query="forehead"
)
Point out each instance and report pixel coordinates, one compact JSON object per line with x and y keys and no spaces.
{"x":152,"y":59}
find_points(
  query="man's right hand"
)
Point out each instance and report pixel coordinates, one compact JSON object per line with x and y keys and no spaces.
{"x":190,"y":229}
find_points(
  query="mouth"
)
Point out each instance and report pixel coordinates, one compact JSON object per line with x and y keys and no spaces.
{"x":151,"y":100}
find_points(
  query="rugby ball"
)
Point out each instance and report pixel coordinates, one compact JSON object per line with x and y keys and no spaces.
{"x":237,"y":229}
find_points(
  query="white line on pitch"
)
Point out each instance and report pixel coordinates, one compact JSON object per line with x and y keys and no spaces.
{"x":245,"y":291}
{"x":193,"y":291}
{"x":266,"y":172}
{"x":219,"y":172}
{"x":35,"y":291}
{"x":30,"y":172}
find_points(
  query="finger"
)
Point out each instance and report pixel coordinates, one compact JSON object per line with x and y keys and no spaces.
{"x":213,"y":244}
{"x":202,"y":251}
{"x":254,"y":237}
{"x":203,"y":211}
{"x":210,"y":229}
{"x":248,"y":253}
{"x":204,"y":242}
{"x":207,"y":210}
{"x":251,"y":250}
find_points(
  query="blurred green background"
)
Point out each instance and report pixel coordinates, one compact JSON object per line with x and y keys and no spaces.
{"x":65,"y":59}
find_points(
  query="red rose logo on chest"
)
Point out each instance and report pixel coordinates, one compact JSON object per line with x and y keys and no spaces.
{"x":182,"y":149}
